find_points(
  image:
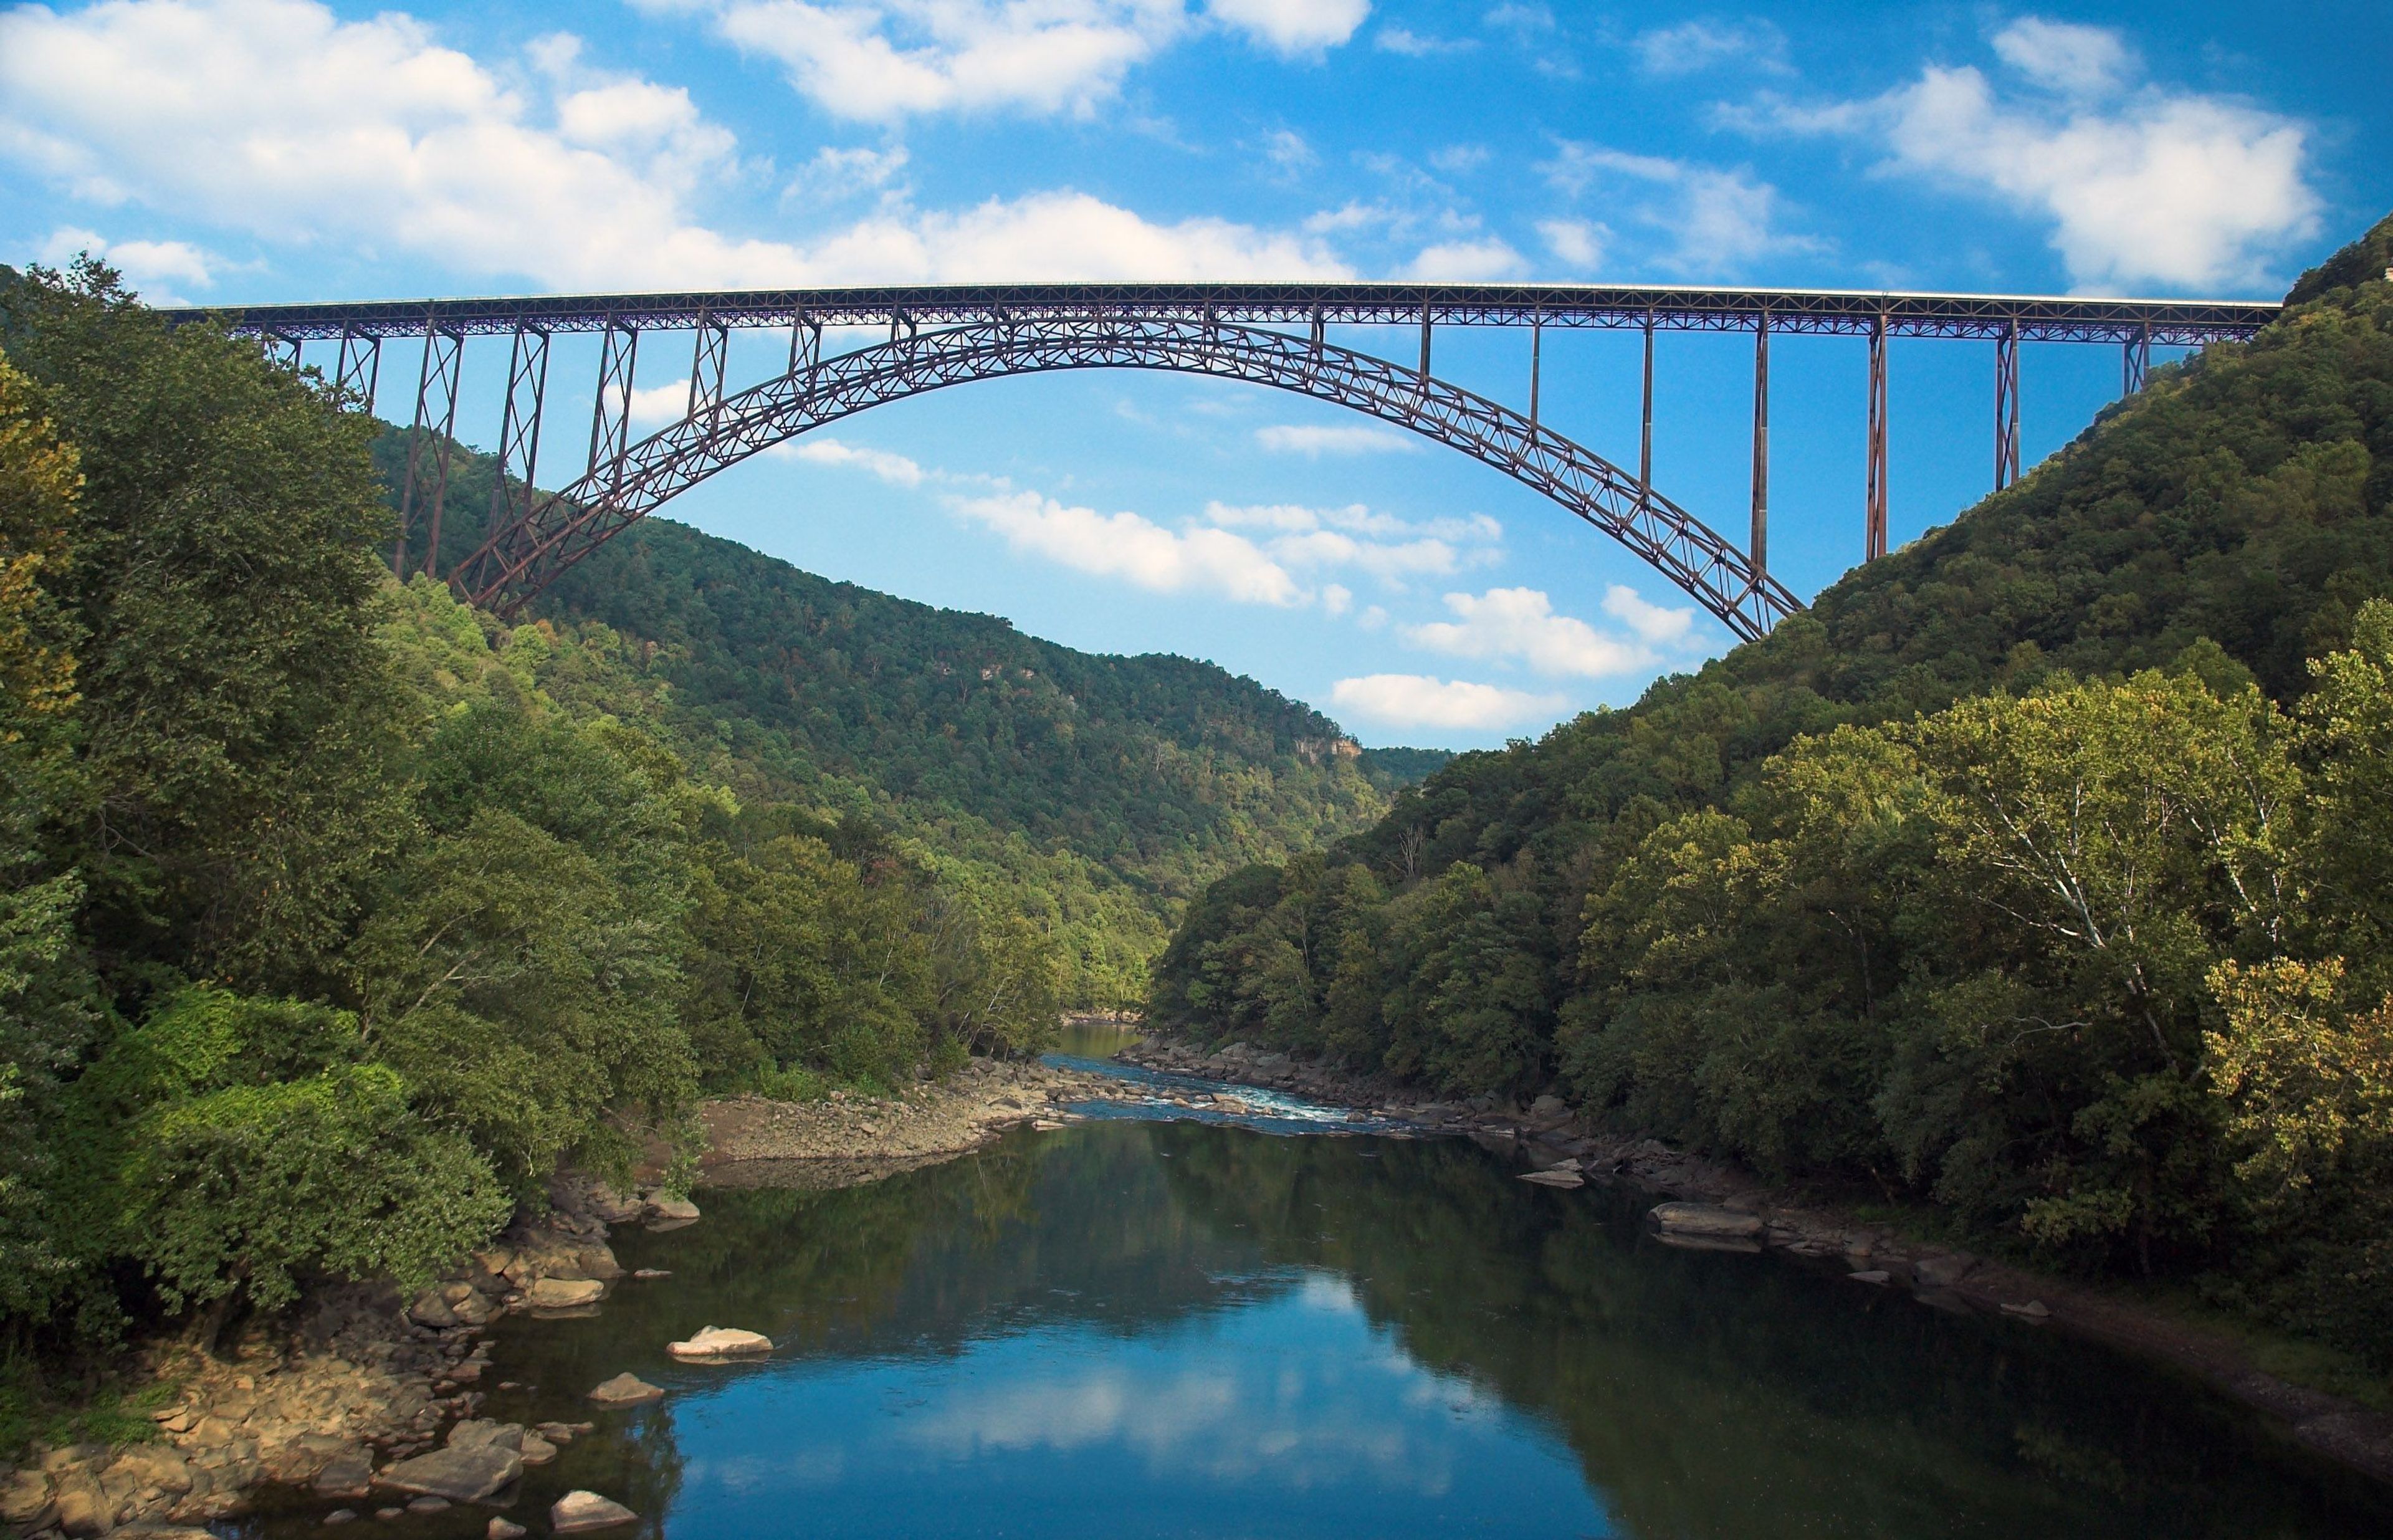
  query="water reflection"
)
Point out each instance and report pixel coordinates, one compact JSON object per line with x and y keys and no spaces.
{"x":1148,"y":1328}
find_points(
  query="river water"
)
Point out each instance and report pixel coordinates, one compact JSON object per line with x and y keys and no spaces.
{"x":1136,"y":1327}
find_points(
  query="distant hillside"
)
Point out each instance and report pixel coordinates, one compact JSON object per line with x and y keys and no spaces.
{"x":1116,"y":786}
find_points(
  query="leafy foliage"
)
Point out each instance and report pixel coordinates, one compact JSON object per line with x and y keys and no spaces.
{"x":2039,"y":870}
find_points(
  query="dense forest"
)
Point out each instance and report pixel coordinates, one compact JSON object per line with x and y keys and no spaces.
{"x":334,"y":916}
{"x":1105,"y":791}
{"x":2041,"y":872}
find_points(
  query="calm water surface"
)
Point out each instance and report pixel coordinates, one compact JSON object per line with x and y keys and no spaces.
{"x":1131,"y":1328}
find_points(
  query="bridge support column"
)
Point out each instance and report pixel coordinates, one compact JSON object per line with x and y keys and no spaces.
{"x":1758,"y":552}
{"x":1874,"y":529}
{"x":805,"y":343}
{"x":1536,"y":348}
{"x":436,"y":419}
{"x":511,"y":506}
{"x":2136,"y":362}
{"x":707,"y":361}
{"x":2006,"y":406}
{"x":280,"y":351}
{"x":359,"y":368}
{"x":1646,"y":419}
{"x":610,"y":417}
{"x":1424,"y":364}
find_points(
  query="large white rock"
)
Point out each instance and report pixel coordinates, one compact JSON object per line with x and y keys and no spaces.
{"x":1702,"y":1219}
{"x":460,"y":1475}
{"x":578,"y":1512}
{"x":563,"y":1293}
{"x":625,"y":1389}
{"x":715,"y":1343}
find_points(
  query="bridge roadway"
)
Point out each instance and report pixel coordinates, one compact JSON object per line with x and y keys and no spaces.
{"x":2028,"y":318}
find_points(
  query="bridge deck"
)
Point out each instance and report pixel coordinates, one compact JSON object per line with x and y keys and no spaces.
{"x":2027,"y":317}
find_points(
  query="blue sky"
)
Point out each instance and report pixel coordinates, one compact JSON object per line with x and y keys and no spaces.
{"x":255,"y":151}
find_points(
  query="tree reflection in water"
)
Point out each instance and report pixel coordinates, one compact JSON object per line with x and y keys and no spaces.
{"x":1168,"y":1328}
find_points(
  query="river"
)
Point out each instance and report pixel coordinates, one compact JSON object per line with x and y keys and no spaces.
{"x":1135,"y":1328}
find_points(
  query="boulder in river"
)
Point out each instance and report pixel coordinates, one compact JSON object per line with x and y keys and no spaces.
{"x":1943,"y":1272}
{"x":460,"y":1475}
{"x":502,"y":1530}
{"x":1704,"y":1218}
{"x":676,"y":1212}
{"x":714,"y":1344}
{"x":563,"y":1293}
{"x":625,"y":1389}
{"x":1554,"y":1178}
{"x":578,"y":1512}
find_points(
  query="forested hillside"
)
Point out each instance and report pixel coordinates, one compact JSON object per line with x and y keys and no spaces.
{"x":2038,"y":872}
{"x":1108,"y":789}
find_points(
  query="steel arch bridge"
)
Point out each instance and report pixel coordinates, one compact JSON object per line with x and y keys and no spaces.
{"x":1219,"y":330}
{"x":526,"y":552}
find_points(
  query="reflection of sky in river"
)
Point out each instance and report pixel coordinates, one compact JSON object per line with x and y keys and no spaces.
{"x":1286,"y":1415}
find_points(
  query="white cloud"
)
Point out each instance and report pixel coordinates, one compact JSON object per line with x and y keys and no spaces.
{"x":1391,"y":549}
{"x":1318,"y":439}
{"x":1293,"y":26}
{"x":1135,"y":550}
{"x":1651,"y":623}
{"x":882,"y":59}
{"x":1716,"y":220}
{"x":1335,"y":599}
{"x":1413,"y":45}
{"x":2184,"y":190}
{"x":895,"y":469}
{"x":1459,"y":160}
{"x":837,"y":171}
{"x":1694,"y":46}
{"x":277,"y":118}
{"x":1423,"y":700}
{"x":653,"y":406}
{"x":2143,"y":186}
{"x":147,"y":265}
{"x":1576,"y":242}
{"x":1288,"y":152}
{"x":2065,"y":55}
{"x":1521,"y":623}
{"x":1466,"y":261}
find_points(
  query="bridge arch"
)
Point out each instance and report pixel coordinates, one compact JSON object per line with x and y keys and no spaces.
{"x":516,"y":560}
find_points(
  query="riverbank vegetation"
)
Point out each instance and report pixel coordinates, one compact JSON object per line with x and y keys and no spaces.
{"x":335,"y":916}
{"x":2039,"y":872}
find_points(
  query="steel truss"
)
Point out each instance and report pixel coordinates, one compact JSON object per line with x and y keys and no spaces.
{"x":520,"y":558}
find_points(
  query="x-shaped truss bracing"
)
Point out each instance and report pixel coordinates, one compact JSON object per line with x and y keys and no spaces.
{"x":523,"y":556}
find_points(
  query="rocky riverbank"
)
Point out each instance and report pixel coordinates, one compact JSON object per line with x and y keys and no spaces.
{"x":752,"y":1142}
{"x":338,"y":1397}
{"x":1559,"y":1150}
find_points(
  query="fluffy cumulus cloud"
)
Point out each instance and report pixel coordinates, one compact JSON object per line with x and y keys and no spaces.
{"x":1355,"y":537}
{"x":881,"y":60}
{"x":1466,"y":261}
{"x":1576,"y":242}
{"x":155,"y":268}
{"x":1520,"y":623}
{"x":1293,"y":26}
{"x":278,"y":118}
{"x":1711,"y":220}
{"x":1423,"y":700}
{"x":1135,"y":550}
{"x":2141,"y":183}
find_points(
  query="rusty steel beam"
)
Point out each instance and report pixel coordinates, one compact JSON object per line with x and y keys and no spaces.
{"x":610,"y":416}
{"x":358,"y":370}
{"x":1758,"y":552}
{"x":2006,"y":408}
{"x":515,"y":496}
{"x":1874,"y":518}
{"x":436,"y":425}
